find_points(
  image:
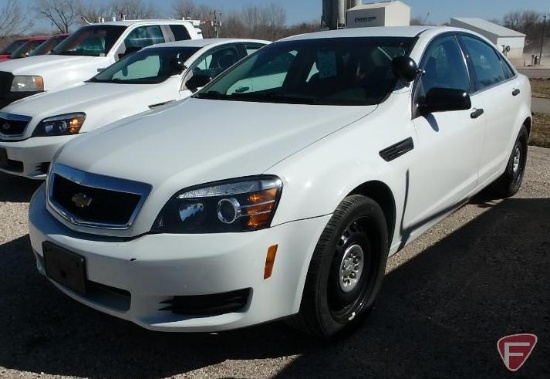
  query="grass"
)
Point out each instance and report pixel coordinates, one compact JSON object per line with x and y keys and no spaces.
{"x":540,"y":88}
{"x":540,"y":132}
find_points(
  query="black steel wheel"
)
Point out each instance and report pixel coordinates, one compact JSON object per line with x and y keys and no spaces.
{"x":346,"y":270}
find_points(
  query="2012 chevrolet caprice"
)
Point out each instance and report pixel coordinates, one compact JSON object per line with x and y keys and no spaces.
{"x":280,"y":189}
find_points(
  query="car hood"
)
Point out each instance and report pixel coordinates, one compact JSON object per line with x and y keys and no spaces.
{"x":94,"y":99}
{"x":198,"y":141}
{"x":37,"y":64}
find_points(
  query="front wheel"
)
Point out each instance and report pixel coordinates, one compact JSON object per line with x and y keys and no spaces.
{"x":346,"y":270}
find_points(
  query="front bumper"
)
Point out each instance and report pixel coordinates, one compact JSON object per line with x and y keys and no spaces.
{"x":31,"y":157}
{"x":153,"y":270}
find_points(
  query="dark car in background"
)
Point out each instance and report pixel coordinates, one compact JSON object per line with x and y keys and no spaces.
{"x":8,"y":50}
{"x":25,"y":49}
{"x":48,"y":45}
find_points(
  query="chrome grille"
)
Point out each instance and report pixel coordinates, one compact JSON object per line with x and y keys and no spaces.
{"x":95,"y":200}
{"x":12,"y":125}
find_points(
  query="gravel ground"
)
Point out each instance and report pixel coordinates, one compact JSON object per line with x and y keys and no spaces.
{"x":481,"y":274}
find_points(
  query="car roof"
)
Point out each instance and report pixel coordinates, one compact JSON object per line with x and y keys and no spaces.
{"x":375,"y":31}
{"x":205,"y":42}
{"x":144,"y":21}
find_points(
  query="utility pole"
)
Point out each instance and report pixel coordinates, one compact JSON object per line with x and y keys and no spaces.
{"x":542,"y":39}
{"x":216,"y":22}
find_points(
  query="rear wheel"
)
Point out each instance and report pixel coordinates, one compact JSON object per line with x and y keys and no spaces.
{"x":346,"y":269}
{"x":509,"y":182}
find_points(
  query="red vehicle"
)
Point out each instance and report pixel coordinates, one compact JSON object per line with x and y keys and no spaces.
{"x":6,"y":52}
{"x":48,"y":45}
{"x":28,"y":47}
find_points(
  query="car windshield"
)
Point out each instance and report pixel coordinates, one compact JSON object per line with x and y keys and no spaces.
{"x":333,"y":71}
{"x":47,"y":46}
{"x":93,"y":40}
{"x":148,"y":66}
{"x":25,"y":49}
{"x":12,"y":46}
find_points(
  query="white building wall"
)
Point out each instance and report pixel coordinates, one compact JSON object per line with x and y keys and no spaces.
{"x":379,"y":14}
{"x":366,"y":17}
{"x":516,"y":46}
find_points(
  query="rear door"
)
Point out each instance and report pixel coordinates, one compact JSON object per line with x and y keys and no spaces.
{"x":496,"y":87}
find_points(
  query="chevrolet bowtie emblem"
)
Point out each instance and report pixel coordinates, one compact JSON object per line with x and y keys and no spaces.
{"x":81,"y":200}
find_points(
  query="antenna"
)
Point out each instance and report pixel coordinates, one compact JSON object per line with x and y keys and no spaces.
{"x":426,"y":18}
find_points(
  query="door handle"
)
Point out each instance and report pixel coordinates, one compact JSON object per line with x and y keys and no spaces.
{"x":478,"y":112}
{"x":516,"y":92}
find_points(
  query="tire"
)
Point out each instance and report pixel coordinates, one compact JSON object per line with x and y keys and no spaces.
{"x":346,"y":270}
{"x":509,"y":182}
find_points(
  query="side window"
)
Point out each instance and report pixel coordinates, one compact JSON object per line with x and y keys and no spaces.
{"x":487,"y":64}
{"x":252,"y":47}
{"x":215,"y":62}
{"x":508,"y":72}
{"x":180,"y":32}
{"x":143,"y":36}
{"x":443,"y":66}
{"x":140,"y":69}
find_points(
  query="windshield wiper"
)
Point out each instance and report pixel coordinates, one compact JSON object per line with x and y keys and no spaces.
{"x":213,"y":95}
{"x":275,"y":97}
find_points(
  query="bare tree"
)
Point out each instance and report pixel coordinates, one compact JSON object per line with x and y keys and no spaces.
{"x":522,"y":21}
{"x":266,"y":22}
{"x":531,"y":23}
{"x":304,"y":27}
{"x":95,"y":11}
{"x":275,"y":21}
{"x":135,"y":9}
{"x":61,"y":13}
{"x":233,"y":26}
{"x":12,"y":19}
{"x":184,"y":8}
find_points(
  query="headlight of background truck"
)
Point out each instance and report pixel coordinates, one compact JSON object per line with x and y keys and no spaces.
{"x":238,"y":205}
{"x":27,"y":83}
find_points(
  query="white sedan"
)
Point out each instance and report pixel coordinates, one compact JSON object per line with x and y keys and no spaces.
{"x":33,"y":129}
{"x":280,"y":188}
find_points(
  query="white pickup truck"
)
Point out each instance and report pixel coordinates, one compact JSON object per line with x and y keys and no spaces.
{"x":85,"y":52}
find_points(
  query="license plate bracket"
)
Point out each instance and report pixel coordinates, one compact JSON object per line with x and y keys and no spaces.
{"x":65,"y":267}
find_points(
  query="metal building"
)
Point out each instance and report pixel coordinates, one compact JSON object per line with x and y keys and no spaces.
{"x":334,"y":12}
{"x":509,"y":41}
{"x":389,"y":13}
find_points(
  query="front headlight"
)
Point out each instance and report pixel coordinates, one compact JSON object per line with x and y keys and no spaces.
{"x":244,"y":204}
{"x":27,"y":83}
{"x":62,"y":125}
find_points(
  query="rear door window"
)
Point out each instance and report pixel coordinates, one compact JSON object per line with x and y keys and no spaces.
{"x":180,"y":32}
{"x":144,"y":36}
{"x":487,"y":64}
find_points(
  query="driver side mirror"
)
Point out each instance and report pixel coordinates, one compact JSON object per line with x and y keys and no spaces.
{"x":197,"y":81}
{"x":177,"y":66}
{"x":405,"y":68}
{"x":443,"y":100}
